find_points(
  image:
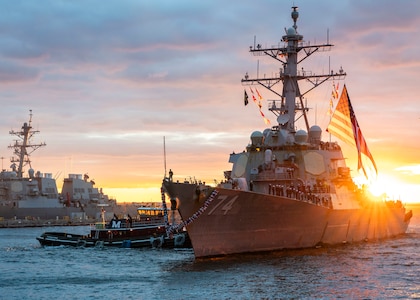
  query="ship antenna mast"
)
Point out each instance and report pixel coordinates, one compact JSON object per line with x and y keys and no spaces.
{"x":30,"y":117}
{"x":21,"y":146}
{"x":291,"y":106}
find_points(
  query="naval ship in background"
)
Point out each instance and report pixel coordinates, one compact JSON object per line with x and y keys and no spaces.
{"x":35,"y":196}
{"x":288,"y":189}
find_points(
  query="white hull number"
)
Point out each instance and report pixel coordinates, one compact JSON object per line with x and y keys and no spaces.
{"x":227,"y":205}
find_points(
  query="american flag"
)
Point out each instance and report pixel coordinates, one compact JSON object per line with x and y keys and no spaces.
{"x":344,"y":125}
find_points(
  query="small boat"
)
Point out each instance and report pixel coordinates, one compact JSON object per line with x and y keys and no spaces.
{"x":148,"y":229}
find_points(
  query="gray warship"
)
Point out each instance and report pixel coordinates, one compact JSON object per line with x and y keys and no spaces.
{"x":35,"y":196}
{"x":288,"y":189}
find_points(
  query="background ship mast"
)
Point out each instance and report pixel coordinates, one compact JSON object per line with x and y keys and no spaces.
{"x":287,"y":107}
{"x":21,"y":146}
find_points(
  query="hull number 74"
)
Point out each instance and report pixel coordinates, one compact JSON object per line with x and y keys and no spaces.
{"x":228,"y":204}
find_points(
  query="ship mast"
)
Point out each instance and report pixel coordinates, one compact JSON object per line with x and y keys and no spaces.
{"x":291,"y":100}
{"x":21,"y":146}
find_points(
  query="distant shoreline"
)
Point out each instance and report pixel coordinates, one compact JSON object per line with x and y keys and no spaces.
{"x":43,"y":223}
{"x":21,"y":223}
{"x":124,"y":208}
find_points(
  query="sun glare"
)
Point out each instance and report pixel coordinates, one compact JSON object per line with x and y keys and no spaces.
{"x":391,"y":188}
{"x":385,"y":185}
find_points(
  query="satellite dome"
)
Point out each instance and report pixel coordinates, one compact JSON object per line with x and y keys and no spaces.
{"x":315,"y":133}
{"x":256,"y":138}
{"x":315,"y":128}
{"x":291,"y":31}
{"x":301,"y":137}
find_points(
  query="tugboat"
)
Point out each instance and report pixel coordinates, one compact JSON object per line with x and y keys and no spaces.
{"x":147,"y":229}
{"x":288,"y":189}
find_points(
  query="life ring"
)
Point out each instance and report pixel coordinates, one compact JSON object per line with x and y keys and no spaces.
{"x":179,"y":240}
{"x":99,"y":244}
{"x":156,"y":242}
{"x":81,"y":243}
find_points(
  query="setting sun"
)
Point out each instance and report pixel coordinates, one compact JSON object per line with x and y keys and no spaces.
{"x":390,"y":188}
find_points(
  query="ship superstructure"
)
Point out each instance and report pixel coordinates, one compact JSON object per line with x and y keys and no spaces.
{"x":35,"y":190}
{"x":34,"y":195}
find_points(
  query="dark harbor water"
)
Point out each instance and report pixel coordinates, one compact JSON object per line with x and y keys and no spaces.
{"x":371,"y":270}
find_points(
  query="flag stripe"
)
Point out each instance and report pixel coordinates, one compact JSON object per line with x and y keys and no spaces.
{"x":342,"y":130}
{"x":344,"y":125}
{"x":340,"y":124}
{"x":336,"y":132}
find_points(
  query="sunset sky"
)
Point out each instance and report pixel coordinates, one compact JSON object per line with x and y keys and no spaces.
{"x":108,"y":80}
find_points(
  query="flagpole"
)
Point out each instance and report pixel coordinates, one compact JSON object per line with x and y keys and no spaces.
{"x":331,"y":109}
{"x":331,"y":113}
{"x":330,"y":122}
{"x":164,"y":155}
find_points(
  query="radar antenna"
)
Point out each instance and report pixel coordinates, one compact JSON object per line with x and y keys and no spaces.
{"x":21,"y":146}
{"x":290,"y":106}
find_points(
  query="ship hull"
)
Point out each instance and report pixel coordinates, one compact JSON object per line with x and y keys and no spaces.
{"x":241,"y":221}
{"x":44,"y":213}
{"x":135,"y":240}
{"x":52,"y":213}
